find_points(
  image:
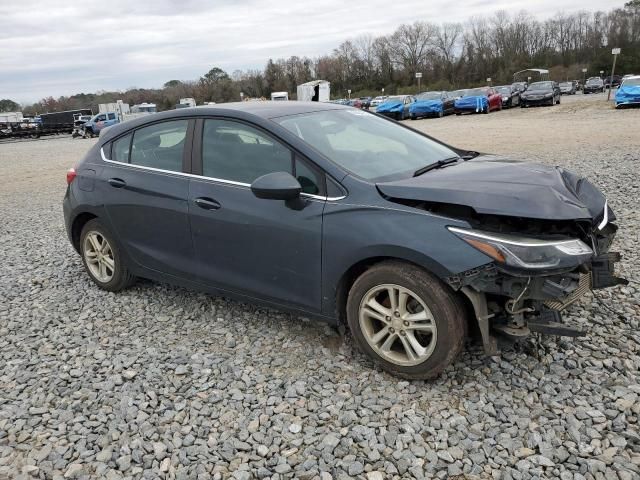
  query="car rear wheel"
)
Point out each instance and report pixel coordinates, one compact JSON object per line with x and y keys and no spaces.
{"x":102,"y":258}
{"x":406,"y":320}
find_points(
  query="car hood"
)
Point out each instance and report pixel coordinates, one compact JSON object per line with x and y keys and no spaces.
{"x":389,"y":106}
{"x":628,"y":93}
{"x":429,"y":105}
{"x":478,"y":102}
{"x":498,"y":186}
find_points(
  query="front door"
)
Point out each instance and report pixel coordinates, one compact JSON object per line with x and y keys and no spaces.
{"x":146,"y":196}
{"x":268,"y":249}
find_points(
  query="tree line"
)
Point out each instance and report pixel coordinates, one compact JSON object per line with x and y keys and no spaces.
{"x":449,"y":56}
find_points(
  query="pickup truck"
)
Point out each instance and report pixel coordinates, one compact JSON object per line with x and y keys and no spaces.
{"x":100,"y":121}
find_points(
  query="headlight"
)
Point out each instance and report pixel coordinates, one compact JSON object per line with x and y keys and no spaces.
{"x":524,"y":252}
{"x":505,"y":99}
{"x":548,"y":95}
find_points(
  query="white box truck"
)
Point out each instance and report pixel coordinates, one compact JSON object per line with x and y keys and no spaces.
{"x":280,"y":96}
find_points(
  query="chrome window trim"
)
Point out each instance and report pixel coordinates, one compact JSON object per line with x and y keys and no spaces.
{"x":202,"y":177}
{"x":605,"y":215}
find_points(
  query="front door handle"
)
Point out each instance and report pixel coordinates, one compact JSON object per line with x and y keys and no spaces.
{"x":117,"y":182}
{"x":207,"y":203}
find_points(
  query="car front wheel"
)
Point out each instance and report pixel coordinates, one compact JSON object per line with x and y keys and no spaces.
{"x":102,"y":258}
{"x":406,"y":320}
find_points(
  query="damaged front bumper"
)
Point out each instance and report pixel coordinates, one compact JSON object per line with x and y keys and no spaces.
{"x":514,"y":304}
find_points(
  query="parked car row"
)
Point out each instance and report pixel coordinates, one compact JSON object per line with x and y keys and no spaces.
{"x":486,"y":99}
{"x":473,"y":100}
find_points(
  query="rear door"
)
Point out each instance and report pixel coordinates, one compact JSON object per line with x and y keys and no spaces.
{"x":146,"y":192}
{"x":268,"y":249}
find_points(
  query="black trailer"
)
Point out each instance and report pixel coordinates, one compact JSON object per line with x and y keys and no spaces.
{"x":60,"y":122}
{"x":62,"y":117}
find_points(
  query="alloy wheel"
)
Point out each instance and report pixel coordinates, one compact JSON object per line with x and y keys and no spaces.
{"x":397,"y":324}
{"x":99,"y":256}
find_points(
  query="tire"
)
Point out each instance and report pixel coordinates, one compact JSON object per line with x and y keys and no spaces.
{"x":458,"y":113}
{"x":440,"y":114}
{"x":120,"y":277}
{"x":446,"y":312}
{"x":413,"y":117}
{"x":486,"y":110}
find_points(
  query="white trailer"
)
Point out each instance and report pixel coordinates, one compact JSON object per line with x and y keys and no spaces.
{"x":186,"y":103}
{"x":122,"y":109}
{"x":10,"y":117}
{"x":314,"y":91}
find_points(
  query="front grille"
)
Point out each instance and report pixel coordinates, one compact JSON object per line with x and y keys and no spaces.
{"x":584,"y":285}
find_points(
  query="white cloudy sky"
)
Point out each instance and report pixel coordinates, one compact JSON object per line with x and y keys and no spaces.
{"x":56,"y":47}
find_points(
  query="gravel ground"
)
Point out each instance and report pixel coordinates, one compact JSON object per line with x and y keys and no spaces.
{"x":158,"y":382}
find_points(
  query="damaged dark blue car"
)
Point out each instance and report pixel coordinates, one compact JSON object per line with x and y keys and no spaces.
{"x":338,"y":214}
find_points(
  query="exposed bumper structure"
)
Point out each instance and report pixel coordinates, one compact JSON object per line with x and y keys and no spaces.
{"x":515,"y":304}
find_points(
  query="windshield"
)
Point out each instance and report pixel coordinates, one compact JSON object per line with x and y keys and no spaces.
{"x":429,"y":96}
{"x":594,"y":81}
{"x":476,"y":92}
{"x":504,"y":90}
{"x":366,"y":145}
{"x":567,"y":84}
{"x":458,"y":93}
{"x":394,"y":98}
{"x":541,"y":86}
{"x":631,"y":82}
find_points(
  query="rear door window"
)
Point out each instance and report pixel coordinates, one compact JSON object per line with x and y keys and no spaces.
{"x":160,"y":145}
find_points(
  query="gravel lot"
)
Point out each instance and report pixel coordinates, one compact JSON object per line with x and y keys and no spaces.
{"x":158,"y":382}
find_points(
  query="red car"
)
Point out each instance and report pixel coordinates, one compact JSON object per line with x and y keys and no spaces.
{"x":479,"y":100}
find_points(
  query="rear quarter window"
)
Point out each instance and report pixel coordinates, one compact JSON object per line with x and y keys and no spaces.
{"x":120,"y":149}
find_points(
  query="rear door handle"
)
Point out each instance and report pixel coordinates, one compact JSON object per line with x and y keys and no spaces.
{"x":117,"y":182}
{"x":207,"y":203}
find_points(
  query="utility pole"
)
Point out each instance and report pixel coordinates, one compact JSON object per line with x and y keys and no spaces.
{"x":419,"y":77}
{"x":584,"y":76}
{"x":615,"y":52}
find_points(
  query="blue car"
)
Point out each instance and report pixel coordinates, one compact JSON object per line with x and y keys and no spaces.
{"x":629,"y":92}
{"x":396,"y":107}
{"x":478,"y":100}
{"x":432,"y":104}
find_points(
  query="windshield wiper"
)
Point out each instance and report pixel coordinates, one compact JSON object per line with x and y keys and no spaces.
{"x":433,"y":166}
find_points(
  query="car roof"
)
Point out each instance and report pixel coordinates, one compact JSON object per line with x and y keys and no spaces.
{"x":265,"y":110}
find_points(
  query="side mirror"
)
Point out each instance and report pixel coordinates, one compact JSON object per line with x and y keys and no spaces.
{"x":276,"y":186}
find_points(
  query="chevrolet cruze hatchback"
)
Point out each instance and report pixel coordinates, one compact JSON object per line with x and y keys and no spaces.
{"x":341,"y":215}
